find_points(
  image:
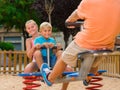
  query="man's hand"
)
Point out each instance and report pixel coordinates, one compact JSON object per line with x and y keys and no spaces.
{"x":69,"y":25}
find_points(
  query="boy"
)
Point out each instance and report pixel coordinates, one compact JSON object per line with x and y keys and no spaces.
{"x":45,"y":40}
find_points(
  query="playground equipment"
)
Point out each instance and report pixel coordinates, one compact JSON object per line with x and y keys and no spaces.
{"x":70,"y":76}
{"x":94,"y":79}
{"x":30,"y":78}
{"x":76,"y":24}
{"x":30,"y":82}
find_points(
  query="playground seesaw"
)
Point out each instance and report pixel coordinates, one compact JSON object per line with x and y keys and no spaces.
{"x":30,"y":78}
{"x":70,"y":76}
{"x":76,"y":24}
{"x":81,"y":74}
{"x":84,"y":70}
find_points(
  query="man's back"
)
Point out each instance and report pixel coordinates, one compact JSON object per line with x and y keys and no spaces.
{"x":102,"y":23}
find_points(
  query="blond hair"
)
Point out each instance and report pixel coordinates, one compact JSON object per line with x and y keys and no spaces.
{"x":44,"y":25}
{"x":30,"y":21}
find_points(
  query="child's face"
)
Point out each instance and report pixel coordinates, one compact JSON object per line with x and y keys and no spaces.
{"x":31,"y":28}
{"x":46,"y":32}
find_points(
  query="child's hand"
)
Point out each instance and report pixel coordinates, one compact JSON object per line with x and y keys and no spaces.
{"x":59,"y":46}
{"x":37,"y":46}
{"x":51,"y":45}
{"x":46,"y":45}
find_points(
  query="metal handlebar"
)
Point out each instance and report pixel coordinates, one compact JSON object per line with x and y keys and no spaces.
{"x":76,"y":24}
{"x":48,"y":53}
{"x":55,"y":47}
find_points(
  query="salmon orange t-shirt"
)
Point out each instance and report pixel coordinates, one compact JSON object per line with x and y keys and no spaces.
{"x":101,"y":23}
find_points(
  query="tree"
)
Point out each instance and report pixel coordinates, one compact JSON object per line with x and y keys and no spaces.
{"x":44,"y":8}
{"x":61,"y":12}
{"x":14,"y":13}
{"x":62,"y":9}
{"x":49,"y":6}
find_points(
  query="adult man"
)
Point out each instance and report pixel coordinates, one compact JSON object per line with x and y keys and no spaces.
{"x":101,"y":26}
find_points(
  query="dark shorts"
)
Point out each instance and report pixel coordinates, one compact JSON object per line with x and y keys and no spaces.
{"x":53,"y":59}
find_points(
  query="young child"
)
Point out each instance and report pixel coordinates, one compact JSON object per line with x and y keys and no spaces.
{"x":45,"y":40}
{"x":32,"y":30}
{"x":101,"y":26}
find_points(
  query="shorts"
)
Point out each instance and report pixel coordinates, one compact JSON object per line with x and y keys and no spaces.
{"x":53,"y":60}
{"x":70,"y":55}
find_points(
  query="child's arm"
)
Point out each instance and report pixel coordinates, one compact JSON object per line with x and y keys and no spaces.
{"x":29,"y":49}
{"x":59,"y":46}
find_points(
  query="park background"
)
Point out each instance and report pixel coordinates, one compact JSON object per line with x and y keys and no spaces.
{"x":14,"y":14}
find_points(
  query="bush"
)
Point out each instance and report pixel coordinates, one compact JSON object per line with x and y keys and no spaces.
{"x":55,"y":29}
{"x":6,"y":46}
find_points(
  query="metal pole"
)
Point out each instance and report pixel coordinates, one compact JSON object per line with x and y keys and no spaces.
{"x":48,"y":56}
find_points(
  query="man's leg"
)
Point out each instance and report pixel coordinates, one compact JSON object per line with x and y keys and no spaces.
{"x":94,"y":69}
{"x":64,"y":86}
{"x":58,"y":69}
{"x":96,"y":63}
{"x":69,"y":56}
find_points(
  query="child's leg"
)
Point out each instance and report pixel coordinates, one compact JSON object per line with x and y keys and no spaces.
{"x":31,"y":67}
{"x":38,"y":58}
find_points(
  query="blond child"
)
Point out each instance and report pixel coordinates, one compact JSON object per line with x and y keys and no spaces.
{"x":45,"y":40}
{"x":32,"y":29}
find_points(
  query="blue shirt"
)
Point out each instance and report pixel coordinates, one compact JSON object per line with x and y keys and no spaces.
{"x":41,"y":40}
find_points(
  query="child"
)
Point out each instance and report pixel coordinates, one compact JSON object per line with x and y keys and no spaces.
{"x":45,"y":40}
{"x":32,"y":30}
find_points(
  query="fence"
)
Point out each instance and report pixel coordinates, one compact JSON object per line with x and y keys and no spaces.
{"x":111,"y":63}
{"x":13,"y":62}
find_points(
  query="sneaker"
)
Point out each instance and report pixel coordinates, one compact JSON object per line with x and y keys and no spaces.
{"x":45,"y":70}
{"x":87,"y":81}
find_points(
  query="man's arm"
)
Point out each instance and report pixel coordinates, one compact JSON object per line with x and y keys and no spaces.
{"x":73,"y":17}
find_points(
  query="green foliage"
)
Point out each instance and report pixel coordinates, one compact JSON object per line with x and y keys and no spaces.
{"x":6,"y":46}
{"x":16,"y":13}
{"x":55,"y":29}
